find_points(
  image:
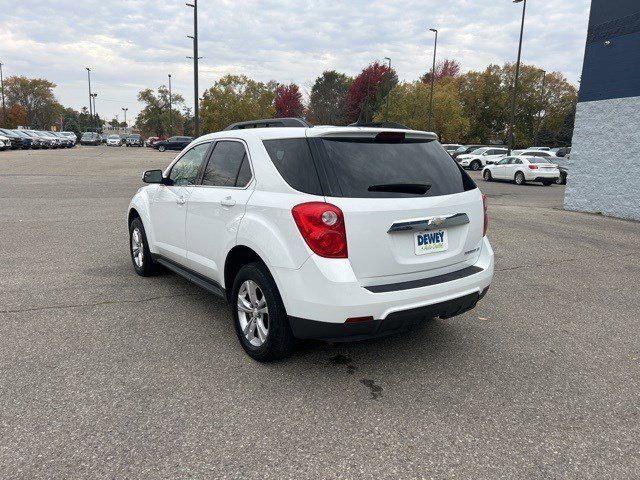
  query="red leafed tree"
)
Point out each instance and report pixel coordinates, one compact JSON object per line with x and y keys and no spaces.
{"x":368,"y":91}
{"x":444,"y":68}
{"x":288,"y":101}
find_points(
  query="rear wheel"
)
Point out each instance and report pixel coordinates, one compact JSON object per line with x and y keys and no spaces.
{"x":487,"y":176}
{"x":161,"y":148}
{"x":519,"y":178}
{"x":259,"y":315}
{"x":475,"y":165}
{"x":547,"y":183}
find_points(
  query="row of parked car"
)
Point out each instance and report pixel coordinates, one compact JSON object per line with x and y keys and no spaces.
{"x":526,"y":164}
{"x":34,"y":139}
{"x":135,"y":140}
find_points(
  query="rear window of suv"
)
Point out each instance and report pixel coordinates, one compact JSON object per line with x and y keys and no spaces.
{"x":353,"y":165}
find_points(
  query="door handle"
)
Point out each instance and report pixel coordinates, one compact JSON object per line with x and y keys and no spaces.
{"x":227,"y":202}
{"x":180,"y":201}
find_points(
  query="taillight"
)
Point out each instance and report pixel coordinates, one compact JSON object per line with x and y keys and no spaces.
{"x":486,"y":216}
{"x":533,"y":167}
{"x":322,"y":227}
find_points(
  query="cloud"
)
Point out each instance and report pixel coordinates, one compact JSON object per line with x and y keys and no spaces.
{"x":134,"y":44}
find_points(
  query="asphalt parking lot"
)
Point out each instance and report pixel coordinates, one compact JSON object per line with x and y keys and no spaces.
{"x":104,"y":374}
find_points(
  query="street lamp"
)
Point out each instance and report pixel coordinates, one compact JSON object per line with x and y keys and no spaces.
{"x":515,"y":82}
{"x":90,"y":96}
{"x":124,"y":109}
{"x":170,"y":125}
{"x":196,"y":114}
{"x":4,"y":108}
{"x":386,"y":113}
{"x":95,"y":112}
{"x":433,"y":76}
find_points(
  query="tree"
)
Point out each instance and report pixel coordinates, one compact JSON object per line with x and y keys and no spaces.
{"x":154,"y":118}
{"x":328,"y":97}
{"x":544,"y":137}
{"x":35,"y":96}
{"x":447,"y":68}
{"x":235,"y":98}
{"x":565,"y":133}
{"x":409,"y":105}
{"x":288,"y":101}
{"x":16,"y":116}
{"x":368,"y":92}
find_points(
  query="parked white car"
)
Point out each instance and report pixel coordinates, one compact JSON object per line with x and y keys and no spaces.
{"x":324,"y":232}
{"x":451,"y":147}
{"x":522,"y":169}
{"x":5,"y":143}
{"x":481,"y":157}
{"x":72,"y":136}
{"x":114,"y":141}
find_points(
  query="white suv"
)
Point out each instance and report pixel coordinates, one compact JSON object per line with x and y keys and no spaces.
{"x":334,"y":233}
{"x":481,"y":157}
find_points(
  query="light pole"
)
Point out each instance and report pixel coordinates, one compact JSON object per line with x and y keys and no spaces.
{"x":124,"y":109}
{"x":4,"y":108}
{"x":196,"y":114}
{"x":386,"y":113}
{"x":90,"y":96}
{"x":515,"y":82}
{"x":95,"y":112}
{"x":170,"y":125}
{"x":544,"y":78}
{"x":433,"y":76}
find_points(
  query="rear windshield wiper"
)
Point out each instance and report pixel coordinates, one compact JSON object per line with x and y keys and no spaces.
{"x":415,"y":188}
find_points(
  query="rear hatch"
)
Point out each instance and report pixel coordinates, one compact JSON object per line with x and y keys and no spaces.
{"x":410,"y":211}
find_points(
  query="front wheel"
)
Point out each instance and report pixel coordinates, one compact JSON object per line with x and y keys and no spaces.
{"x":259,"y":315}
{"x":487,"y":176}
{"x":562,"y":179}
{"x":519,"y":178}
{"x":143,"y":263}
{"x":475,"y":165}
{"x":547,"y":183}
{"x":161,"y":148}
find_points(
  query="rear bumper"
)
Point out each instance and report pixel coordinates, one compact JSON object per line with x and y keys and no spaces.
{"x":327,"y":291}
{"x":394,"y":323}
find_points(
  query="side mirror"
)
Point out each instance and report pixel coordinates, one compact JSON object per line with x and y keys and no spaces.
{"x":155,"y":176}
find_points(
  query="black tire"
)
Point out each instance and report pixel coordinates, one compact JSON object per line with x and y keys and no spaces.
{"x":562,"y":179}
{"x":161,"y":148}
{"x":547,"y":183}
{"x":519,"y":178}
{"x":148,"y":266}
{"x":475,"y":165}
{"x":487,"y":176}
{"x":279,"y":341}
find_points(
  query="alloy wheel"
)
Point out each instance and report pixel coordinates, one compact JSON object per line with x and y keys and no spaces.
{"x":137,"y":247}
{"x":253,"y":313}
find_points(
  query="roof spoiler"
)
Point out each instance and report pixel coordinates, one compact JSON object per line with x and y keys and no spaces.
{"x":271,"y":123}
{"x":396,"y":125}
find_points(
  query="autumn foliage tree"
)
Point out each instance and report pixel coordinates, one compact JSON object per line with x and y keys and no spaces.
{"x":446,"y":68}
{"x":368,"y":92}
{"x":288,"y":101}
{"x":328,"y":97}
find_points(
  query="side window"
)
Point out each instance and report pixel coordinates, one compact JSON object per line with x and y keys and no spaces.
{"x":518,"y":161}
{"x":292,"y":158}
{"x":185,"y":171}
{"x":228,"y":166}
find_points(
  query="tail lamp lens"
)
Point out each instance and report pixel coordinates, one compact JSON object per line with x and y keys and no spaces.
{"x":322,"y":227}
{"x":486,"y":216}
{"x":533,"y":167}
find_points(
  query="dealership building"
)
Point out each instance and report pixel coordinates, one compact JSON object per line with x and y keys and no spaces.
{"x":604,"y":169}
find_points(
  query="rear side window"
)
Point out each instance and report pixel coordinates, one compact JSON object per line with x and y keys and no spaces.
{"x":292,"y":158}
{"x":228,"y":166}
{"x":360,"y":163}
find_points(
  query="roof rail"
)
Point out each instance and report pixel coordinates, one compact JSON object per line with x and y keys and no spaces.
{"x":270,"y":122}
{"x":380,"y":125}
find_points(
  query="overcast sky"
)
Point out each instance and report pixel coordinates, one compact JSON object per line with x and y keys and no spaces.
{"x":134,"y":44}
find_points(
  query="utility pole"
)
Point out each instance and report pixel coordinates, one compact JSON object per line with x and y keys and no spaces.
{"x":124,"y":109}
{"x":196,"y":98}
{"x":90,"y":96}
{"x":433,"y":77}
{"x":544,"y":78}
{"x":170,"y":124}
{"x":4,"y":108}
{"x":386,"y":113}
{"x":515,"y":82}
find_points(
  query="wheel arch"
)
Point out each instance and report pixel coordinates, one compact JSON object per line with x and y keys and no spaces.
{"x":238,"y":257}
